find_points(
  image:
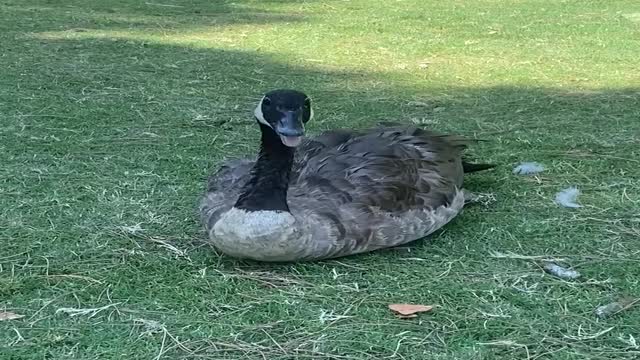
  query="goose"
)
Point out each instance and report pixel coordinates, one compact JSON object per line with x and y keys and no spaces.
{"x":341,"y":193}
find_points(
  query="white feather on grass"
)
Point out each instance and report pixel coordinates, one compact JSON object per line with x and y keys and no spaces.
{"x":616,"y":307}
{"x":528,"y":168}
{"x":568,"y":197}
{"x":560,"y":271}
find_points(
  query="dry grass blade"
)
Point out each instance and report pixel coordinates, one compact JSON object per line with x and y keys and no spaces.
{"x":72,"y":276}
{"x":267,"y":278}
{"x":85,"y":311}
{"x":512,"y":255}
{"x":165,"y":244}
{"x":582,"y":337}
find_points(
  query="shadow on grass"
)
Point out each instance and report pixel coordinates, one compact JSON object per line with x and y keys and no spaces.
{"x":68,"y":15}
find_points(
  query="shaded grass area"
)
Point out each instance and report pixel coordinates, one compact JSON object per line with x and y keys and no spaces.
{"x":113,"y":114}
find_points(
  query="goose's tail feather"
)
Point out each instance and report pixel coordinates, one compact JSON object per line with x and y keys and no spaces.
{"x":470,"y":167}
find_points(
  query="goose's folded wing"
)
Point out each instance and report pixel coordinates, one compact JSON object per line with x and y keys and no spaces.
{"x":391,"y":170}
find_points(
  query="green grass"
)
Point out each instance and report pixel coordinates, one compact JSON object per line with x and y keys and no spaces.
{"x":112,"y":114}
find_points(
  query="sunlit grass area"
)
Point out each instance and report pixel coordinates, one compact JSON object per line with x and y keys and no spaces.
{"x":113,"y":113}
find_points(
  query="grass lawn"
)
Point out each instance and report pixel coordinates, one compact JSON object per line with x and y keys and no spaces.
{"x":112,"y":114}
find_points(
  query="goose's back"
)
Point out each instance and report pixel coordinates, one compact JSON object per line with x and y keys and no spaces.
{"x":379,"y":188}
{"x":394,"y":169}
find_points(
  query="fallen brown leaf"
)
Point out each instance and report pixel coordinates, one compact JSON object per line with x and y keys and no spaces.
{"x":8,"y":315}
{"x":407,"y":311}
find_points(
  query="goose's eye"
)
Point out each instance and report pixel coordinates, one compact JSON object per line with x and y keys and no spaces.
{"x":266,"y":101}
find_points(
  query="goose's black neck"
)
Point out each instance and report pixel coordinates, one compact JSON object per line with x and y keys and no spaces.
{"x":267,"y":187}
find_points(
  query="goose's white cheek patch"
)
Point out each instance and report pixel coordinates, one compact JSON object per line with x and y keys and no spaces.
{"x":259,"y":115}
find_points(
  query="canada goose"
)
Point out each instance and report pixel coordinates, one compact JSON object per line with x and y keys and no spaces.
{"x":341,"y":193}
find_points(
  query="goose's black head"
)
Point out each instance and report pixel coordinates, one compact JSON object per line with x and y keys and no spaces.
{"x":285,"y":112}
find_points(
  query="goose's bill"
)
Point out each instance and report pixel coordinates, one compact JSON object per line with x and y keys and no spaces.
{"x":290,"y":128}
{"x":291,"y":141}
